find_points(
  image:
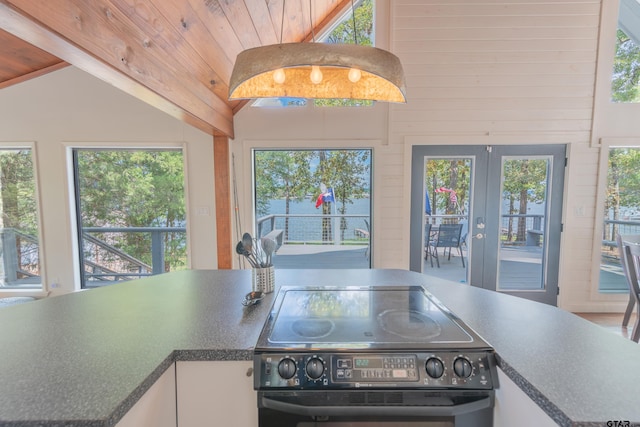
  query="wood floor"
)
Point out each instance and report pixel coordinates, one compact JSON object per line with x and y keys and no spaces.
{"x":611,"y":322}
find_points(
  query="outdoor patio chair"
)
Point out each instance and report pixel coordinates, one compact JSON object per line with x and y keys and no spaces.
{"x":448,"y":237}
{"x":624,"y":261}
{"x":632,"y":251}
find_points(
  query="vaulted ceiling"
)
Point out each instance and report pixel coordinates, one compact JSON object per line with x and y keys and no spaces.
{"x":177,"y":55}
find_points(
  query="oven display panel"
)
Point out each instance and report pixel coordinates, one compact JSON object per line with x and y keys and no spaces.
{"x":375,"y":368}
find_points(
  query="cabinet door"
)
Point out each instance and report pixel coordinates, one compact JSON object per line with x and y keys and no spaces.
{"x":212,"y":394}
{"x":157,"y":407}
{"x":515,"y":408}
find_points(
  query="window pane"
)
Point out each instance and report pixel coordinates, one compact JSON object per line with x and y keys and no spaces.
{"x":132,"y":214}
{"x":318,"y":204}
{"x":621,"y":214}
{"x":20,"y":266}
{"x":523,"y":212}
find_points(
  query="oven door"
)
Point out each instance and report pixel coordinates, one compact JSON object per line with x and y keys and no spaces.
{"x":355,"y":408}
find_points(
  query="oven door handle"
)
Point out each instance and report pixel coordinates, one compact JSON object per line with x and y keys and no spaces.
{"x":420,"y":411}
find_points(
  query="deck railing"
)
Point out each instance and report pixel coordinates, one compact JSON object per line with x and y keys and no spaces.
{"x":105,"y":263}
{"x":337,"y":229}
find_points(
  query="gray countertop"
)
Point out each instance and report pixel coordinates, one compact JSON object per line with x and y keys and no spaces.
{"x":84,"y":359}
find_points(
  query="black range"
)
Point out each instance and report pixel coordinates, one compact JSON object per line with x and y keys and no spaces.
{"x":353,"y":354}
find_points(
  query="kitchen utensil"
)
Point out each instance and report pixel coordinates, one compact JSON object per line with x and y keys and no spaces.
{"x":242,"y":251}
{"x":252,"y":298}
{"x":268,"y":246}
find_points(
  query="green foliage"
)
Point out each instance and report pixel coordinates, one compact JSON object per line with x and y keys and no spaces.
{"x":626,"y":70}
{"x":346,"y":171}
{"x":623,"y":181}
{"x":135,"y":189}
{"x":281,"y":174}
{"x":525,"y":181}
{"x":18,"y":192}
{"x":452,"y":174}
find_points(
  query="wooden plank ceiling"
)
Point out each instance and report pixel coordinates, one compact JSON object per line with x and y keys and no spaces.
{"x":177,"y":55}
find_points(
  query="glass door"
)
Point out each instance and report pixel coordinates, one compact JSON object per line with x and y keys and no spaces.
{"x":506,"y":202}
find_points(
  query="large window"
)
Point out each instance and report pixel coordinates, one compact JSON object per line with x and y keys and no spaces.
{"x":19,"y":244}
{"x":621,"y":214}
{"x":131,"y":213}
{"x":318,"y":204}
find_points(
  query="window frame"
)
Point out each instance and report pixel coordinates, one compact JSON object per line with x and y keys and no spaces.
{"x":248,"y":185}
{"x":601,"y":188}
{"x":44,"y":288}
{"x":73,"y":195}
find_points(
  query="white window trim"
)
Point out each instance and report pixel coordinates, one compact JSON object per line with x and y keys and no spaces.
{"x":114,"y":146}
{"x":43,"y":291}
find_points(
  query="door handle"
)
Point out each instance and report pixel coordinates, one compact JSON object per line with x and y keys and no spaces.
{"x":478,"y":236}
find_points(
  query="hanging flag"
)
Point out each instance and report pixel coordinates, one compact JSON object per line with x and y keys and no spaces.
{"x":325,"y":197}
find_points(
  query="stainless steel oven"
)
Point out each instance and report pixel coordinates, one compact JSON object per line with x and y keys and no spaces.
{"x":370,"y":356}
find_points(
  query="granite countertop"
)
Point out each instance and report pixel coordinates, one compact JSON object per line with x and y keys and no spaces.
{"x":85,"y":358}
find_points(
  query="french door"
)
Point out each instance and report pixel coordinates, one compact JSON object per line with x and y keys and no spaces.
{"x":508,"y":200}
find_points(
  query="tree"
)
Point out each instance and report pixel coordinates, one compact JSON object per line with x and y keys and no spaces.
{"x":127,"y":188}
{"x":281,"y":174}
{"x":346,"y":171}
{"x":626,"y":70}
{"x":623,"y":184}
{"x":524,"y":182}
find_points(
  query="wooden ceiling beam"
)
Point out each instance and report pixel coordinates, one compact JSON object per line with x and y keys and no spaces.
{"x":85,"y":38}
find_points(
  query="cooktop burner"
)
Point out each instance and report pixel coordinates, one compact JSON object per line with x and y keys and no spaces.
{"x":369,"y":337}
{"x":409,"y":324}
{"x":371,"y":317}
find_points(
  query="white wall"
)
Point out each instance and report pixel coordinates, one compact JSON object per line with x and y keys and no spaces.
{"x":70,"y":108}
{"x":508,"y":72}
{"x":503,"y":72}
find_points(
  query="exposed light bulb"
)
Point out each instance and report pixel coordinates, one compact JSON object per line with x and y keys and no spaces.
{"x":316,"y":75}
{"x":354,"y":75}
{"x":279,"y":76}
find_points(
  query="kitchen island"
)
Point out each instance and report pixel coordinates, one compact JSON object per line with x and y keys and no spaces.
{"x":85,"y":359}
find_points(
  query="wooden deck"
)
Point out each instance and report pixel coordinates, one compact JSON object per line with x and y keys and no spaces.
{"x":520,"y":266}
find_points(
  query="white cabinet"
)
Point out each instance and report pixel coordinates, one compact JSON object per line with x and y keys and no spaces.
{"x":515,"y":408}
{"x":157,"y":407}
{"x":212,"y":394}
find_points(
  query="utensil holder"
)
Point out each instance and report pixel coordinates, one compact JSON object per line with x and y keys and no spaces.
{"x":263,"y":279}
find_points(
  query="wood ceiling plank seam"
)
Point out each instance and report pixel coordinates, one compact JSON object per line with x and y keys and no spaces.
{"x":262,"y":23}
{"x":240,"y":20}
{"x":166,"y":68}
{"x":86,"y":34}
{"x":73,"y":34}
{"x":25,"y":26}
{"x":327,"y":19}
{"x":182,"y":17}
{"x":218,"y":26}
{"x":165,"y":37}
{"x":275,"y":10}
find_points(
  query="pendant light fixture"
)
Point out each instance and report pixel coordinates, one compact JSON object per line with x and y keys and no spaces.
{"x":317,"y":71}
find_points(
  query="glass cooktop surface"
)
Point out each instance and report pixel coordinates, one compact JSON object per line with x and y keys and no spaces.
{"x":359,"y":317}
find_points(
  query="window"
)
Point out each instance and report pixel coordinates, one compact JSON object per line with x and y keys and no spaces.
{"x":20,"y":259}
{"x":621,"y":214}
{"x":131,"y":213}
{"x":320,"y":203}
{"x":626,"y":65}
{"x":341,"y":32}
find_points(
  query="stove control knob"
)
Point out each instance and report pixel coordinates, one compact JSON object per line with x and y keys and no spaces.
{"x":434,"y":367}
{"x":315,"y":368}
{"x":462,"y":367}
{"x":287,"y":368}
